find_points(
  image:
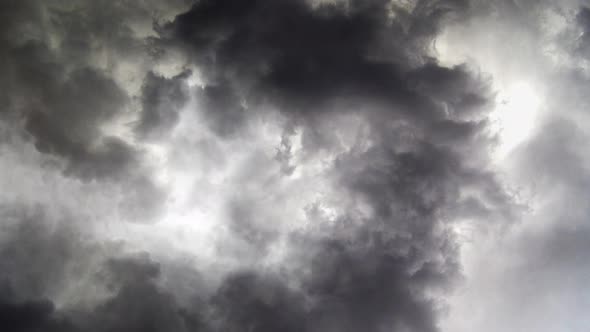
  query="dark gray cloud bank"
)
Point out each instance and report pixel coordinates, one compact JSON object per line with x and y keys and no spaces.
{"x":291,"y":165}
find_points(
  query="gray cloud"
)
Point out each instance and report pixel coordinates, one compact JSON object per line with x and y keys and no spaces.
{"x":344,"y":102}
{"x":60,"y":95}
{"x":161,"y":102}
{"x":45,"y":263}
{"x":374,"y":270}
{"x":532,"y":277}
{"x":336,"y":58}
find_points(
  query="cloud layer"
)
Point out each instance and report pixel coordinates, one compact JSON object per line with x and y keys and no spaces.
{"x":264,"y":165}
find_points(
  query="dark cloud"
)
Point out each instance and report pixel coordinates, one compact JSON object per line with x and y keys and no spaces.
{"x":31,"y":316}
{"x":333,"y":57}
{"x":66,"y":107}
{"x":138,"y":304}
{"x":370,"y":60}
{"x":384,"y":260}
{"x":67,"y":111}
{"x":583,"y":21}
{"x":35,"y":259}
{"x":67,"y":131}
{"x":257,"y":303}
{"x":34,"y":254}
{"x":224,"y":108}
{"x":162,"y":100}
{"x":364,"y":283}
{"x":40,"y":262}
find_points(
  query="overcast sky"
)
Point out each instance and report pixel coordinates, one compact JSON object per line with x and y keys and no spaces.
{"x":294,"y":165}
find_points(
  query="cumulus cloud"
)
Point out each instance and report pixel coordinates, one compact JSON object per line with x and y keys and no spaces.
{"x":292,"y":165}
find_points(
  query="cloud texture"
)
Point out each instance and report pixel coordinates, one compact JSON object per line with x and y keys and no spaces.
{"x":284,"y":165}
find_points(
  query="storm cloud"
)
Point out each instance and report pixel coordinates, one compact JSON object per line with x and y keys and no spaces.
{"x":290,"y":165}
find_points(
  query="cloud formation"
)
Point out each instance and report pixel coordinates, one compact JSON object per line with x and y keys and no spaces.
{"x":264,"y":165}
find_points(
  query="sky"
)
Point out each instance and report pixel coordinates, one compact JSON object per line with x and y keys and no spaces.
{"x":294,"y":165}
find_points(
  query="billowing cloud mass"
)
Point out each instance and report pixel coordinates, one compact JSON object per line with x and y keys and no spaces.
{"x":294,"y":165}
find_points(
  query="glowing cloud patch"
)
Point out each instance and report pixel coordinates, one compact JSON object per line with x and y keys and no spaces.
{"x":515,"y":115}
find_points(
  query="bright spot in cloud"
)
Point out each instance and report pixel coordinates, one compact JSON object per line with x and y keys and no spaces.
{"x":518,"y":84}
{"x":514,"y":117}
